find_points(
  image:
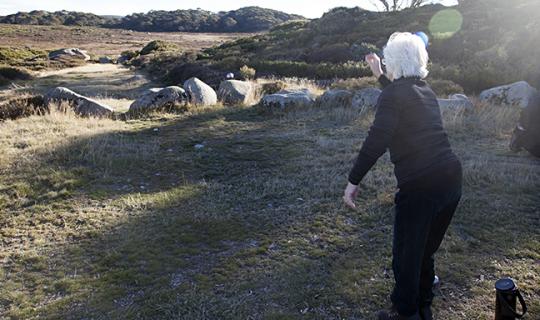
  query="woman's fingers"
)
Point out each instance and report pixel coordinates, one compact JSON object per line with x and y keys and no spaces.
{"x":350,"y":194}
{"x":349,"y":202}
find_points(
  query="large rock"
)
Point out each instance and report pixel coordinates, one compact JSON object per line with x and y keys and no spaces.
{"x":286,"y":99}
{"x":366,"y":98}
{"x":456,"y":102}
{"x":515,"y":94}
{"x":73,"y":53}
{"x":158,"y":98}
{"x":82,"y":105}
{"x":199,"y":92}
{"x":336,"y":98}
{"x":235,"y":92}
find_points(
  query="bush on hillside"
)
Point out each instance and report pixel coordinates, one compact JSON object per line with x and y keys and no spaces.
{"x":17,"y":55}
{"x":14,"y":73}
{"x":273,"y":87}
{"x":4,"y":81}
{"x":129,"y":54}
{"x":360,"y":50}
{"x":22,"y":107}
{"x":67,"y":18}
{"x":247,"y":72}
{"x":497,"y":43}
{"x":333,"y":53}
{"x":355,"y":83}
{"x":312,"y":71}
{"x":247,"y":19}
{"x":158,"y":46}
{"x":444,"y":88}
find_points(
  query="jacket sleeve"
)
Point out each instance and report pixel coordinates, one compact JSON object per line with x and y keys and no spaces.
{"x":379,"y":137}
{"x":384,"y":81}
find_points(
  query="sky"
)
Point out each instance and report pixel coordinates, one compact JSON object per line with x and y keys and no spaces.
{"x":309,"y":9}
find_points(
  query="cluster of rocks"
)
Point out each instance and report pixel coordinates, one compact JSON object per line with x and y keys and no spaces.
{"x":234,"y":92}
{"x":362,"y":99}
{"x":194,"y":92}
{"x":515,"y":94}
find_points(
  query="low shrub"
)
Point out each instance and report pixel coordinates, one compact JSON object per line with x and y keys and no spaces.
{"x":14,"y":55}
{"x":158,"y":45}
{"x":355,"y":83}
{"x":24,"y":57}
{"x":247,"y":72}
{"x":273,"y":87}
{"x":311,"y":71}
{"x":4,"y":81}
{"x":22,"y":107}
{"x":444,"y":88}
{"x":15,"y":73}
{"x":129,"y":54}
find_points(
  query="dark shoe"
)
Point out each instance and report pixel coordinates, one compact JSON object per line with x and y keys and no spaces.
{"x":425,"y":313}
{"x":392,"y":314}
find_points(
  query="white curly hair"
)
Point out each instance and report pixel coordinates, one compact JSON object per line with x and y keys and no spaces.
{"x":405,"y":55}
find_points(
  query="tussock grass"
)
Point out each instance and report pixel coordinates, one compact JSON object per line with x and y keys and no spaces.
{"x":127,"y":219}
{"x":22,"y":106}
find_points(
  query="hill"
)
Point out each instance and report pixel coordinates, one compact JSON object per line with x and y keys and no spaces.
{"x":248,"y":19}
{"x":490,"y":46}
{"x":67,"y":18}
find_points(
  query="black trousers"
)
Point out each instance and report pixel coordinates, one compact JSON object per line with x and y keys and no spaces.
{"x":423,"y":211}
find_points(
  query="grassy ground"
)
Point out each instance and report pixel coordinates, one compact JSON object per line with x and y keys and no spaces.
{"x":114,"y":85}
{"x":105,"y":219}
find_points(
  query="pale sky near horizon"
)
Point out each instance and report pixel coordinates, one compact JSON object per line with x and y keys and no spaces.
{"x":309,"y":9}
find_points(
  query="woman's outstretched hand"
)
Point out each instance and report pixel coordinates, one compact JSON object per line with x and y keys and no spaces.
{"x":350,"y":195}
{"x":374,"y":63}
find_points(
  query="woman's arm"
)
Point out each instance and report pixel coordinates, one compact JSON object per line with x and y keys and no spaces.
{"x":379,"y":137}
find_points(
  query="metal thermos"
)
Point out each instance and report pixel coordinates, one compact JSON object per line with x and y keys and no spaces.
{"x":507,"y":295}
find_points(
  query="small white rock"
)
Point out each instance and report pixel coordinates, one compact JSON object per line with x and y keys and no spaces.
{"x":199,"y":146}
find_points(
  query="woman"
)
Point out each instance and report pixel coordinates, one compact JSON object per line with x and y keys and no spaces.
{"x":408,"y":123}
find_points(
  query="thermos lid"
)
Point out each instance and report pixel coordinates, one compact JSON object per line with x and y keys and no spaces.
{"x":505,"y":284}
